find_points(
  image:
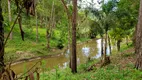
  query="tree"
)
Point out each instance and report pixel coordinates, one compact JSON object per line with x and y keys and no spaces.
{"x":36,"y":27}
{"x":109,"y":43}
{"x":99,"y":21}
{"x":126,"y":18}
{"x":51,"y":25}
{"x":9,"y":13}
{"x":109,"y":20}
{"x":1,"y":41}
{"x":138,"y":43}
{"x":74,"y":24}
{"x":69,"y":27}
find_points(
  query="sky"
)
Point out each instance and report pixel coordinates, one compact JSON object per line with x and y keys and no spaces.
{"x":85,"y":3}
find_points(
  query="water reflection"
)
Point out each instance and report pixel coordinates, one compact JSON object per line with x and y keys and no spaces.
{"x":86,"y":51}
{"x":98,"y":55}
{"x":99,"y":49}
{"x":65,"y":64}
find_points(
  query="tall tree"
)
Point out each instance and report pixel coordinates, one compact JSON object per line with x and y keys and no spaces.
{"x":107,"y":9}
{"x":126,"y":14}
{"x":69,"y":27}
{"x":36,"y":27}
{"x":1,"y":40}
{"x":9,"y":15}
{"x":74,"y":24}
{"x":51,"y":24}
{"x":138,"y":44}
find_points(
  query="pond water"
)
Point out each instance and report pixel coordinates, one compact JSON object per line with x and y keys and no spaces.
{"x":87,"y":49}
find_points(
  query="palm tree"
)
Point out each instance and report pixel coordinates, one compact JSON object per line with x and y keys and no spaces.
{"x":105,"y":19}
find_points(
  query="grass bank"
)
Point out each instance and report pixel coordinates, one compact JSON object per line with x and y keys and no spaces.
{"x":120,"y":68}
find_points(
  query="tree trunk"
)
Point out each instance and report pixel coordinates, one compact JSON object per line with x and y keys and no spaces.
{"x":51,"y":24}
{"x":109,"y":44}
{"x":1,"y":41}
{"x":69,"y":29}
{"x":9,"y":13}
{"x":36,"y":28}
{"x":134,"y":38}
{"x":74,"y":24}
{"x":105,"y":51}
{"x":106,"y":59}
{"x":138,"y":44}
{"x":127,"y":40}
{"x":48,"y":39}
{"x":41,"y":22}
{"x":102,"y":47}
{"x":118,"y":45}
{"x":20,"y":26}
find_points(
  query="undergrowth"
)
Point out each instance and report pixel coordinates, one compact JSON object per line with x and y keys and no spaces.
{"x":110,"y":72}
{"x":113,"y":71}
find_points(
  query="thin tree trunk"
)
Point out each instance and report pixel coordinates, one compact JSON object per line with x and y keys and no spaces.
{"x":51,"y":24}
{"x":1,"y":41}
{"x":36,"y":28}
{"x":53,"y":21}
{"x":41,"y":22}
{"x":9,"y":13}
{"x":48,"y":35}
{"x":138,"y":44}
{"x":20,"y":26}
{"x":69,"y":29}
{"x":134,"y":38}
{"x":74,"y":21}
{"x":105,"y":51}
{"x":118,"y":45}
{"x":127,"y":40}
{"x":109,"y":44}
{"x":48,"y":38}
{"x":102,"y":47}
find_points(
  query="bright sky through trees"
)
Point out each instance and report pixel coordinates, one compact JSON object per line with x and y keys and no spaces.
{"x":94,"y":3}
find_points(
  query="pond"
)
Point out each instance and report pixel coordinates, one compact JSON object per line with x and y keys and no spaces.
{"x":87,"y":49}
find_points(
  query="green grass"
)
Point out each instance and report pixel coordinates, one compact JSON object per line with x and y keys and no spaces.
{"x":113,"y":71}
{"x":110,"y":72}
{"x":29,"y":44}
{"x":125,"y":47}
